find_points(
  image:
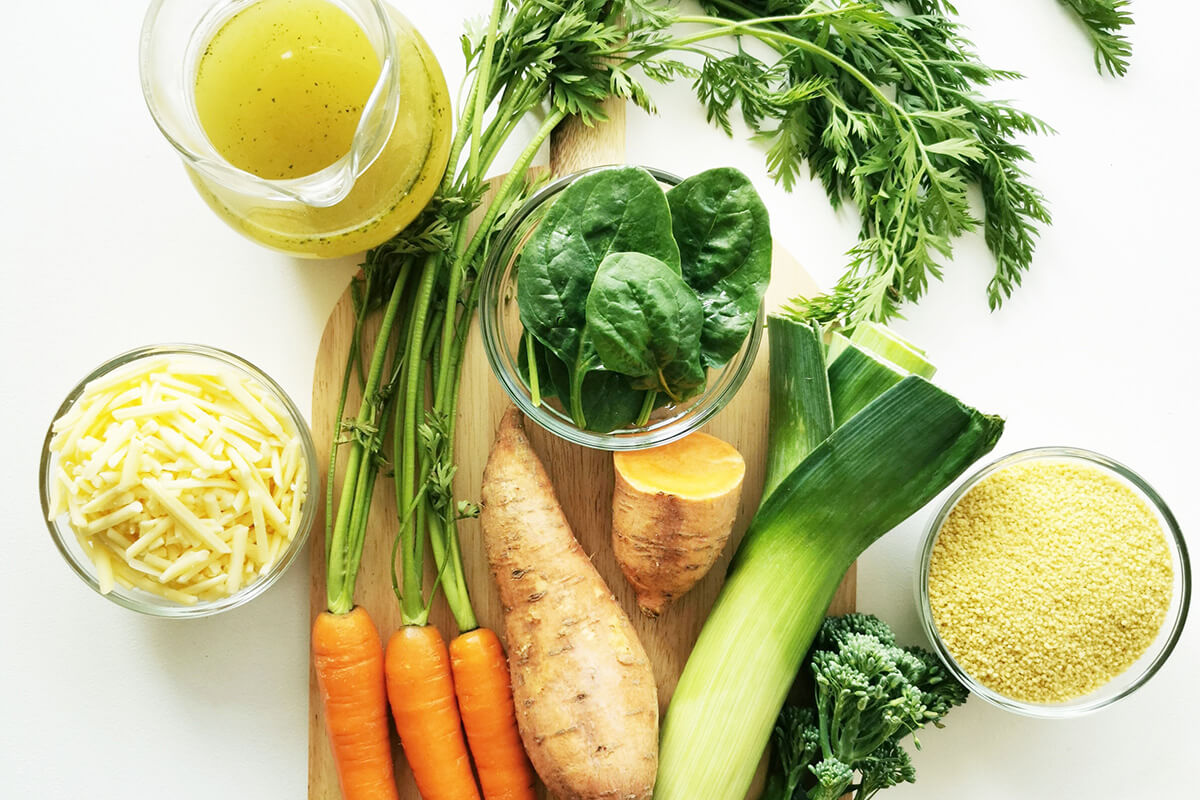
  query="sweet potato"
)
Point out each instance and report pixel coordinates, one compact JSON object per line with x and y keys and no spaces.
{"x":587,"y":705}
{"x":673,"y":510}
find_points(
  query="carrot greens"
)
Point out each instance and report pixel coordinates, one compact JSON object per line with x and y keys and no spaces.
{"x":882,"y":107}
{"x":1103,"y":21}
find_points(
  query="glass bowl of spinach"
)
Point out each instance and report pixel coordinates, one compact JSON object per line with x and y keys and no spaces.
{"x":622,"y":307}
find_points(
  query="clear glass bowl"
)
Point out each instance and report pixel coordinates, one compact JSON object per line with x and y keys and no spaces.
{"x":500,"y":323}
{"x":1141,"y":670}
{"x":137,"y":599}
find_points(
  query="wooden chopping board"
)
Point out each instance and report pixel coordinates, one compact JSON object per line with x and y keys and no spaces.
{"x":582,"y":478}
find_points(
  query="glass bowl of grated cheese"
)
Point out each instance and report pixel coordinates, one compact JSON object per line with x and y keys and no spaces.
{"x":1054,"y":582}
{"x":175,"y":480}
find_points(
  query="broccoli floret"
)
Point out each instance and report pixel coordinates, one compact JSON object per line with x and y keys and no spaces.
{"x":833,"y":779}
{"x":940,"y":691}
{"x":834,"y":630}
{"x":869,"y":694}
{"x":795,"y":745}
{"x":864,"y":697}
{"x":887,"y":766}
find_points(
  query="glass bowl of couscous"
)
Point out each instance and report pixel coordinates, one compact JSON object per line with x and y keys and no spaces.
{"x":176,"y":480}
{"x":1054,"y":582}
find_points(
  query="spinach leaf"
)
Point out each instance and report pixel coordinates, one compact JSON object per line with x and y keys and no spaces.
{"x":645,"y":322}
{"x":724,"y":237}
{"x":612,"y":210}
{"x":609,"y":402}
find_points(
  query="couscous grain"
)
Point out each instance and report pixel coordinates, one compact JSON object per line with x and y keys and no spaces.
{"x":1048,"y":579}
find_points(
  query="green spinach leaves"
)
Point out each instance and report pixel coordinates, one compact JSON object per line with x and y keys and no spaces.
{"x":629,"y":294}
{"x":724,"y":238}
{"x":609,"y":211}
{"x":645,"y":322}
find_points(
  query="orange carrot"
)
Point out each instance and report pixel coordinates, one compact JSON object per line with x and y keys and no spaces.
{"x":420,"y":689}
{"x":485,"y":701}
{"x":348,"y":658}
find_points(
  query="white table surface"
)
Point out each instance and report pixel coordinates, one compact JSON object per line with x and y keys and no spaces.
{"x":108,"y":247}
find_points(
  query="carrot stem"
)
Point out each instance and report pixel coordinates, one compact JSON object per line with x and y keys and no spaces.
{"x":449,"y":374}
{"x":413,"y":610}
{"x":360,"y":294}
{"x":443,"y":538}
{"x":344,"y":548}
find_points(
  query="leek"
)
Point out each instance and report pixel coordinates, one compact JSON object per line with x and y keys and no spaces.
{"x":885,"y":342}
{"x":857,"y":377}
{"x":803,"y":416}
{"x":875,"y":469}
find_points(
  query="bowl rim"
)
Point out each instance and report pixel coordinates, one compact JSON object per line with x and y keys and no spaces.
{"x":1098,"y":698}
{"x":659,"y":432}
{"x":202,"y":608}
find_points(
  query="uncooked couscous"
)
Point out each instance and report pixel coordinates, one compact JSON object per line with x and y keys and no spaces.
{"x":1048,"y":579}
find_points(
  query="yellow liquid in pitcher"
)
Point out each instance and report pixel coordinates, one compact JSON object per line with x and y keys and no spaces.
{"x":316,"y":68}
{"x":281,"y":87}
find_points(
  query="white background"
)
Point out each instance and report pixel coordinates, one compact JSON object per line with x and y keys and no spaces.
{"x":106,"y":247}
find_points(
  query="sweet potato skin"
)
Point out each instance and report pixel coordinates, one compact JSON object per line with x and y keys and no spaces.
{"x":586,"y":700}
{"x":666,"y":544}
{"x":666,"y":541}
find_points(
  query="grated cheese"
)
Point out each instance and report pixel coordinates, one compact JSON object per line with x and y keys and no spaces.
{"x":157,"y":476}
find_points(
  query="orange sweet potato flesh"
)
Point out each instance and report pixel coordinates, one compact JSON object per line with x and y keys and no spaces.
{"x":584,"y":691}
{"x":673,"y":510}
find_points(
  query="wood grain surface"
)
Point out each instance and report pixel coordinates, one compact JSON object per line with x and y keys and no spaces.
{"x":583,"y":480}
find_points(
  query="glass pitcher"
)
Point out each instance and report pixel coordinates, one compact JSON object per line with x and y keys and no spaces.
{"x":389,"y":172}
